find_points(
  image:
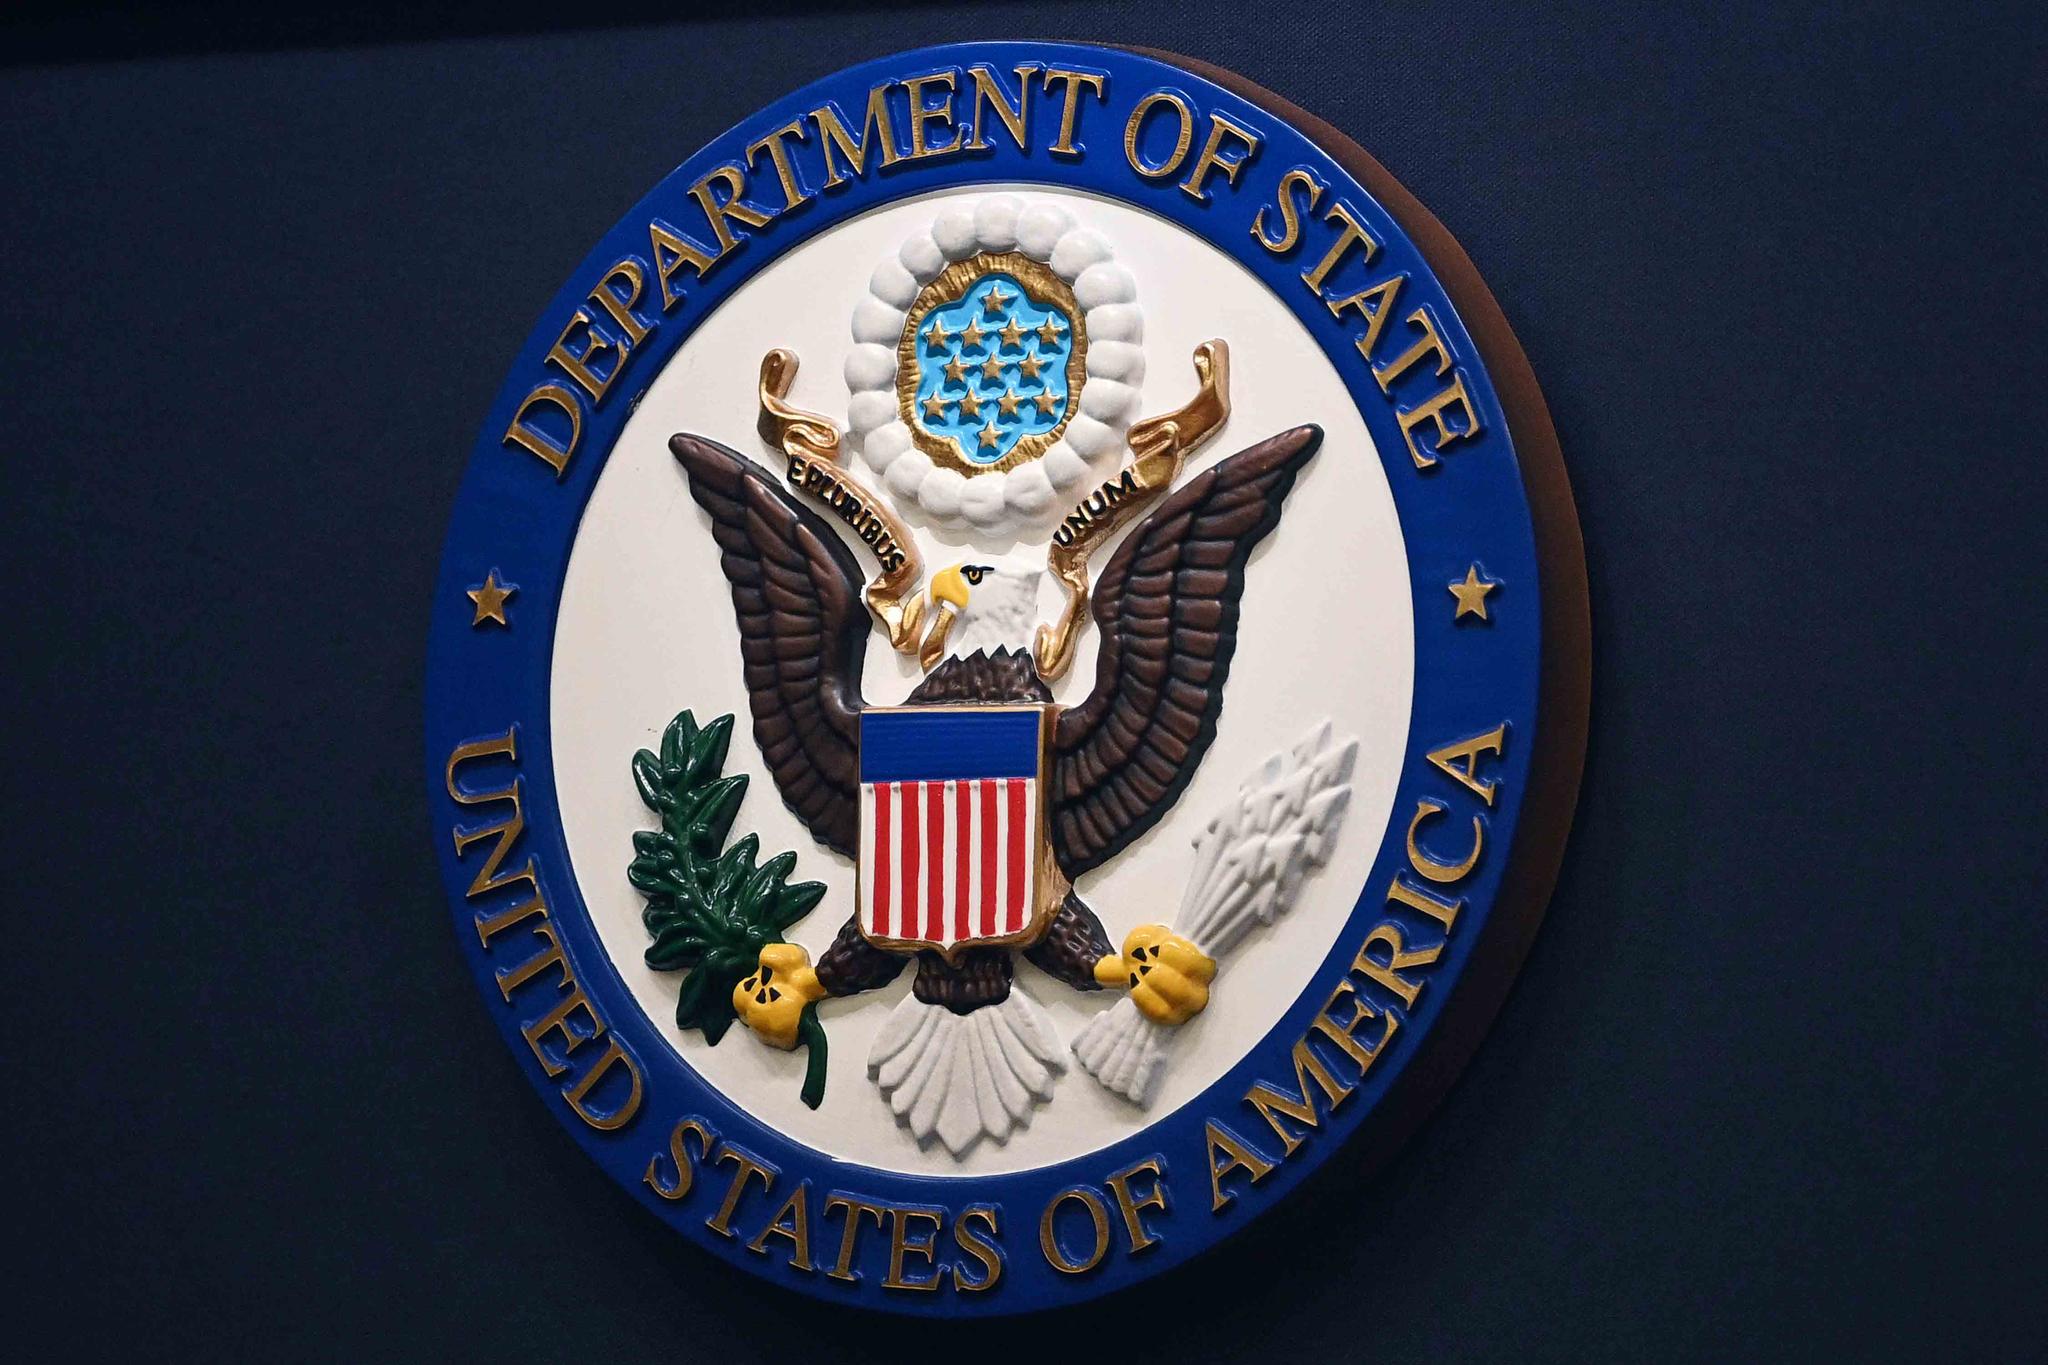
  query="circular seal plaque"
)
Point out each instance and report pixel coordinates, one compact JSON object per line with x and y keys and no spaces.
{"x":1008,"y":678}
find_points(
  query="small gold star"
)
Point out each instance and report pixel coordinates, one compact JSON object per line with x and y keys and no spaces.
{"x":989,"y":436}
{"x":1046,"y":402}
{"x":490,"y":599}
{"x":1012,"y":332}
{"x":937,"y":335}
{"x":1048,"y":332}
{"x":992,"y":368}
{"x":1471,"y":595}
{"x":970,"y":336}
{"x":970,"y":406}
{"x":935,"y":408}
{"x":1029,"y":366}
{"x":956,"y":370}
{"x":996,"y":300}
{"x":1008,"y":402}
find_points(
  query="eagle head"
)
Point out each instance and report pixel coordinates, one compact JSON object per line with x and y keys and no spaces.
{"x":982,"y":605}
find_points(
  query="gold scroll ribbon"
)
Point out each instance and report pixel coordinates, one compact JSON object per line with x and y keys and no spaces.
{"x":811,"y":443}
{"x":1158,"y":446}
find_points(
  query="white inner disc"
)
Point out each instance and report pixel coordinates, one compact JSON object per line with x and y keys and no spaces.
{"x":647,"y":630}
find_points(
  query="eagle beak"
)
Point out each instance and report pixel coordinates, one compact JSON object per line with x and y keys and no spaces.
{"x":949,"y":587}
{"x":949,"y":596}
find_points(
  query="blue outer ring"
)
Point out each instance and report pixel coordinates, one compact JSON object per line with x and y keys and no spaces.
{"x":512,"y":515}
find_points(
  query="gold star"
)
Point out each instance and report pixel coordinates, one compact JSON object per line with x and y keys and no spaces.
{"x":1012,"y":333}
{"x":955,"y":370}
{"x":1046,"y":402}
{"x":992,"y":368}
{"x":989,"y":436}
{"x":970,"y":336}
{"x":935,"y":408}
{"x":490,"y":599}
{"x":970,"y":406}
{"x":1048,"y":332}
{"x":1471,"y":595}
{"x":1008,"y":402}
{"x":937,"y":335}
{"x":1029,"y":366}
{"x":996,"y":300}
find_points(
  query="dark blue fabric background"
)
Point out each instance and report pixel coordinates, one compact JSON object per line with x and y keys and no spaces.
{"x":1770,"y":1085}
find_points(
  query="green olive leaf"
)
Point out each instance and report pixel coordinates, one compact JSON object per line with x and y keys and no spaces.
{"x":710,"y":909}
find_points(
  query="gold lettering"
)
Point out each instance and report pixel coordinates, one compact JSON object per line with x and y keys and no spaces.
{"x":1213,"y":157}
{"x":507,"y":830}
{"x":901,"y":1245}
{"x":490,"y":926}
{"x":1341,"y":1031}
{"x":1048,"y":1243}
{"x":577,"y":363}
{"x":620,"y":306}
{"x":1387,"y":934}
{"x":1431,"y":410}
{"x":778,"y":154}
{"x":854,"y":1209}
{"x":717,"y":212}
{"x":1182,"y":141}
{"x":1430,"y":343}
{"x":940,"y":113}
{"x":1421,"y":898}
{"x":833,"y":134}
{"x":679,"y":1156}
{"x":1373,"y":303}
{"x":1272,"y":1102}
{"x":1435,"y":869}
{"x":796,"y":1210}
{"x":1072,"y":82}
{"x":1354,"y":234}
{"x":511,"y":979}
{"x":1300,"y":178}
{"x":1128,"y":1205}
{"x":533,"y":439}
{"x":491,"y":877}
{"x":1448,"y":759}
{"x":988,"y":93}
{"x":748,"y":1166}
{"x":614,"y":1054}
{"x":680,"y":251}
{"x":982,"y":1248}
{"x":557,"y":1020}
{"x":1241,"y":1156}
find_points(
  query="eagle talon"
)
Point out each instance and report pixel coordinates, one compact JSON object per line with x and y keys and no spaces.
{"x":1167,"y":975}
{"x":772,"y":1001}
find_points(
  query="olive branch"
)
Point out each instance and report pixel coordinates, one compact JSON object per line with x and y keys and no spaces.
{"x":710,"y":911}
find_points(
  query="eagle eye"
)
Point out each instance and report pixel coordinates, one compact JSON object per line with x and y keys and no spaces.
{"x":973,"y":574}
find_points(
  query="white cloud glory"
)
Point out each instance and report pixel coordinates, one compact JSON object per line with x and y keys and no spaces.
{"x":1107,"y":399}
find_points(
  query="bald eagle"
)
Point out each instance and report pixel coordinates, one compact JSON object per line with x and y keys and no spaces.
{"x":1167,"y":608}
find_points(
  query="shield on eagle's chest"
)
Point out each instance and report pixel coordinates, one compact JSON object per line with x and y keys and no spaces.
{"x":952,"y":826}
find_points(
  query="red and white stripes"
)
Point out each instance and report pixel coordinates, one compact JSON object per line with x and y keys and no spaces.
{"x":947,"y":863}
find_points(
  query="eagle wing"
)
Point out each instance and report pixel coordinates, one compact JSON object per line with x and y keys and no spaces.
{"x":803,"y":634}
{"x":1167,"y":608}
